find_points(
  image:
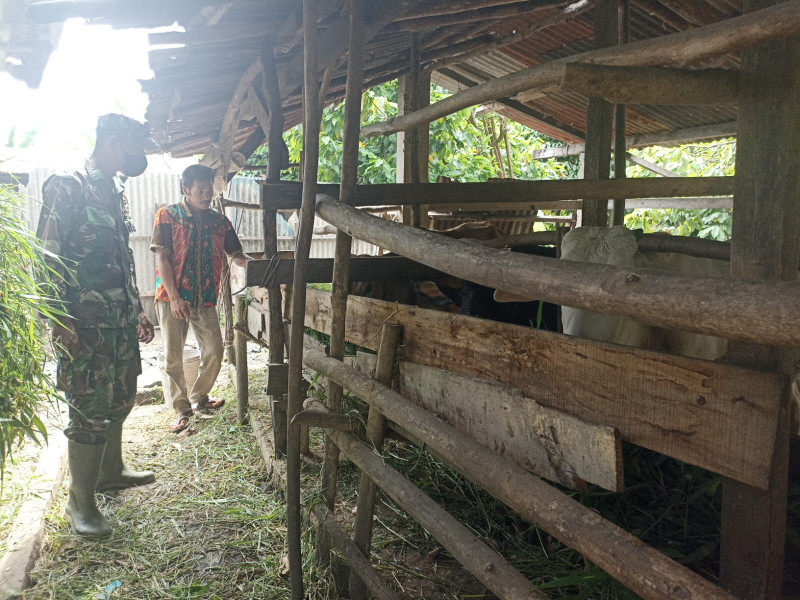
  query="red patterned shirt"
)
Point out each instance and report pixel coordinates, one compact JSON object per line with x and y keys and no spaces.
{"x":199,"y":244}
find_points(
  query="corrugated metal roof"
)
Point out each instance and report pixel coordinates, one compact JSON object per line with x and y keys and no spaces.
{"x":194,"y":83}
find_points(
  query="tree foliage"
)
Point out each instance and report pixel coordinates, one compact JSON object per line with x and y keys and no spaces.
{"x":712,"y":159}
{"x":24,"y":384}
{"x":464,"y":146}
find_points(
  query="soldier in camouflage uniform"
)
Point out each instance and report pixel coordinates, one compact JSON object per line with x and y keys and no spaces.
{"x":84,"y":223}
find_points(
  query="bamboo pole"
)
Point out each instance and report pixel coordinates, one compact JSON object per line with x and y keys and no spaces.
{"x":376,"y":433}
{"x":757,"y":311}
{"x":626,"y":558}
{"x":485,"y":564}
{"x":240,"y":342}
{"x":358,"y":563}
{"x":311,"y":131}
{"x":769,"y":24}
{"x":270,"y":222}
{"x":341,"y":262}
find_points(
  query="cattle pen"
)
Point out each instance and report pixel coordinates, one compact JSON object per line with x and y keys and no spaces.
{"x":512,"y":408}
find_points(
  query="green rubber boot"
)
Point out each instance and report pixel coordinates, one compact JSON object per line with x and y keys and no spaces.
{"x":114,"y":475}
{"x":82,"y":511}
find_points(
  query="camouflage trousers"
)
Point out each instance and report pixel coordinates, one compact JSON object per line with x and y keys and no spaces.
{"x":99,"y":381}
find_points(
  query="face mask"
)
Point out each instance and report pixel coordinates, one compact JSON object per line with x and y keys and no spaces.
{"x":133,"y":165}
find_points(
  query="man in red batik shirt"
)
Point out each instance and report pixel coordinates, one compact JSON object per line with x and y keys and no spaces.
{"x":191,"y":242}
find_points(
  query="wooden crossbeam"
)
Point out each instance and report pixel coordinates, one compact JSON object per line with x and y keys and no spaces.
{"x":768,"y":24}
{"x":286,"y":196}
{"x":652,"y":85}
{"x":765,"y":312}
{"x":320,"y":270}
{"x":663,"y":138}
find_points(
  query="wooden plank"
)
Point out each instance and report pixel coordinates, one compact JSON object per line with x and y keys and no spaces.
{"x":320,"y":270}
{"x":716,"y":416}
{"x":256,"y":325}
{"x":546,"y":442}
{"x":731,"y":35}
{"x":277,"y":379}
{"x":286,"y":196}
{"x":663,"y":138}
{"x":652,"y":85}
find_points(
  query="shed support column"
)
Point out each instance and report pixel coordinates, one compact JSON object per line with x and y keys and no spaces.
{"x":600,"y":119}
{"x":766,"y":245}
{"x":277,"y":152}
{"x":413,"y":146}
{"x":341,"y":265}
{"x":311,"y":129}
{"x":620,"y":154}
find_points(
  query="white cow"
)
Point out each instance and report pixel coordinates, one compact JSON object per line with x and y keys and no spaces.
{"x":618,"y":246}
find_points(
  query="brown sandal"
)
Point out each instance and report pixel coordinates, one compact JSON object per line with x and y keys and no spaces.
{"x":180,"y":424}
{"x":210,"y":405}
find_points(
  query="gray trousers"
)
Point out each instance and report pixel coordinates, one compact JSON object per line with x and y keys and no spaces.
{"x":205,"y":325}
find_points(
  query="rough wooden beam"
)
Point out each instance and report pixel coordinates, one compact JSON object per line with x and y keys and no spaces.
{"x":433,"y":8}
{"x":287,"y":195}
{"x":519,"y":107}
{"x":755,"y":311}
{"x":643,"y":569}
{"x":696,"y":13}
{"x":766,"y":244}
{"x":654,"y":86}
{"x":358,"y":562}
{"x":646,"y":164}
{"x":778,"y":22}
{"x":473,"y":16}
{"x":665,"y":138}
{"x":320,"y":270}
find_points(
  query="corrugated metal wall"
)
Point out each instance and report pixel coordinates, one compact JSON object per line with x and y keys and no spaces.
{"x":155,"y":189}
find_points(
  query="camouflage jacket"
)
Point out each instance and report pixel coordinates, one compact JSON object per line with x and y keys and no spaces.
{"x":83,"y":222}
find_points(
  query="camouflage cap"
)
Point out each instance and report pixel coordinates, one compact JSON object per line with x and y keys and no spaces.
{"x":126,"y":128}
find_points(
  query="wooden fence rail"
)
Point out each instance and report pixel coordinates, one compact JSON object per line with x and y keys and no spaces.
{"x":765,"y":312}
{"x":627,"y":559}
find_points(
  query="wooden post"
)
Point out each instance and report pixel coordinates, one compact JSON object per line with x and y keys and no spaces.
{"x":377,"y":586}
{"x":765,"y":245}
{"x":240,"y":342}
{"x":313,"y":117}
{"x":620,"y":154}
{"x":341,"y":262}
{"x":643,"y":569}
{"x":376,"y":432}
{"x":416,"y":143}
{"x":270,"y":221}
{"x":599,"y":119}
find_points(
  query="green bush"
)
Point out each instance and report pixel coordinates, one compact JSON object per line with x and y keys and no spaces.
{"x":24,"y":385}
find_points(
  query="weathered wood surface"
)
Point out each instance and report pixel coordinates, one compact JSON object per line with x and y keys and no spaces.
{"x":651,"y":85}
{"x":546,"y":442}
{"x":277,"y":379}
{"x":320,"y":270}
{"x":664,"y":138}
{"x":716,"y":416}
{"x":766,"y":244}
{"x":687,"y":47}
{"x":626,"y":558}
{"x":376,"y":433}
{"x":313,"y":417}
{"x":357,"y":561}
{"x":485,"y":564}
{"x":756,"y":311}
{"x":286,"y":196}
{"x":240,"y":344}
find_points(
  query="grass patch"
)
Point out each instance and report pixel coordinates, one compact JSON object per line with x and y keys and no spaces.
{"x":211,"y":527}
